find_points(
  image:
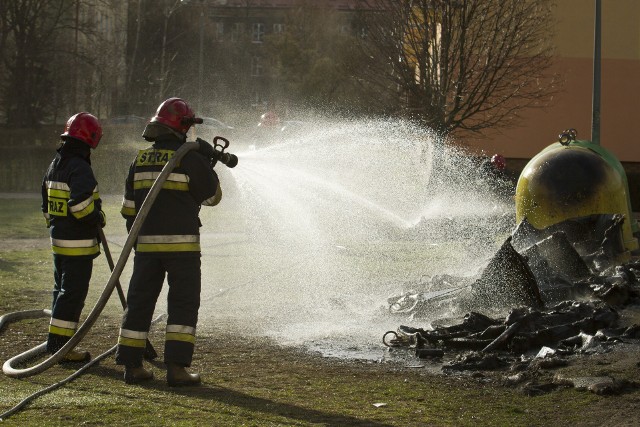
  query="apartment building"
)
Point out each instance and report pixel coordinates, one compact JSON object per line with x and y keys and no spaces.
{"x":573,"y":35}
{"x":243,"y":25}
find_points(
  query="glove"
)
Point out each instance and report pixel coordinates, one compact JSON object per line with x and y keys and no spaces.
{"x":103,"y":219}
{"x":205,"y":148}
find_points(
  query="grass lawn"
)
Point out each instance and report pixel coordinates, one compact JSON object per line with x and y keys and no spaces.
{"x":249,"y":381}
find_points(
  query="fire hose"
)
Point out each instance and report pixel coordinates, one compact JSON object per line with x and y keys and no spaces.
{"x":149,"y":353}
{"x":214,"y":153}
{"x":8,"y":367}
{"x":20,"y":315}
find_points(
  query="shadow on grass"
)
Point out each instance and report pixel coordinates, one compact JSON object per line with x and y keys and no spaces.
{"x":8,"y":266}
{"x":235,"y":398}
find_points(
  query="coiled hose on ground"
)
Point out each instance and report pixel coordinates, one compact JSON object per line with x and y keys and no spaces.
{"x":8,"y":368}
{"x":33,"y":314}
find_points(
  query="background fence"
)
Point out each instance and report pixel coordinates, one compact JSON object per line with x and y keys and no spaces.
{"x":27,"y":154}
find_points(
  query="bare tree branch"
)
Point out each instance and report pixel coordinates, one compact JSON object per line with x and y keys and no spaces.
{"x":461,"y":65}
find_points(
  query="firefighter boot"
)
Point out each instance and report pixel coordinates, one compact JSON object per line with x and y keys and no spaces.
{"x":178,"y":376}
{"x":74,"y":356}
{"x":136,"y":374}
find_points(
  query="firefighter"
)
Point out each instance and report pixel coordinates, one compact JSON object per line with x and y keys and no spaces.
{"x":269,"y":120}
{"x":498,"y":164}
{"x":73,"y":212}
{"x":499,"y":179}
{"x":268,"y":130}
{"x":168,"y":244}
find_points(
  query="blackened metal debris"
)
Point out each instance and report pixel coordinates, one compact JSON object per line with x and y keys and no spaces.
{"x":559,"y":292}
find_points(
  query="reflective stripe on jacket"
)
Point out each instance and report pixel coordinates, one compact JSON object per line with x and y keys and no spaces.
{"x":168,"y":243}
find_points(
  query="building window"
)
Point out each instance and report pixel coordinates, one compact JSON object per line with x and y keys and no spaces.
{"x":219,"y":31}
{"x":256,"y":66}
{"x":258,"y":100}
{"x":257,"y":35}
{"x":104,"y":24}
{"x":236,"y":32}
{"x":278,"y":28}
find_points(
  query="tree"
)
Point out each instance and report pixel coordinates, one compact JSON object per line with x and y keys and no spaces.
{"x":459,"y":65}
{"x":29,"y":33}
{"x":162,"y":39}
{"x":312,"y":60}
{"x":59,"y":57}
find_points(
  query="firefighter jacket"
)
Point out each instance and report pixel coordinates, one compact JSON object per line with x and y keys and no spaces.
{"x":71,"y":203}
{"x":172,"y":225}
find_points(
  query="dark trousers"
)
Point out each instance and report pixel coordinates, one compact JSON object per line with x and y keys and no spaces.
{"x":183,"y":301}
{"x":71,"y":276}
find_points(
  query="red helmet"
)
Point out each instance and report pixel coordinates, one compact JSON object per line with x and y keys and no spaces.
{"x":176,"y":114}
{"x":498,"y":161}
{"x":269,"y":119}
{"x":83,"y":127}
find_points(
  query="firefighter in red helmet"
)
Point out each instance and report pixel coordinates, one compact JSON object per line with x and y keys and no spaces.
{"x":496,"y":176}
{"x":168,"y":244}
{"x":73,"y":210}
{"x":269,"y":120}
{"x":498,"y":162}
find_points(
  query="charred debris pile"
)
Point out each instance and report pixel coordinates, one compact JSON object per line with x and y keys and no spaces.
{"x":544,"y":296}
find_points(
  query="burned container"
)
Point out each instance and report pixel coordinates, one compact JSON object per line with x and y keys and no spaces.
{"x":572,"y":180}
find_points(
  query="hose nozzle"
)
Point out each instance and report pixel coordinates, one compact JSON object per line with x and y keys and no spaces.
{"x":216,"y":152}
{"x":227,"y":159}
